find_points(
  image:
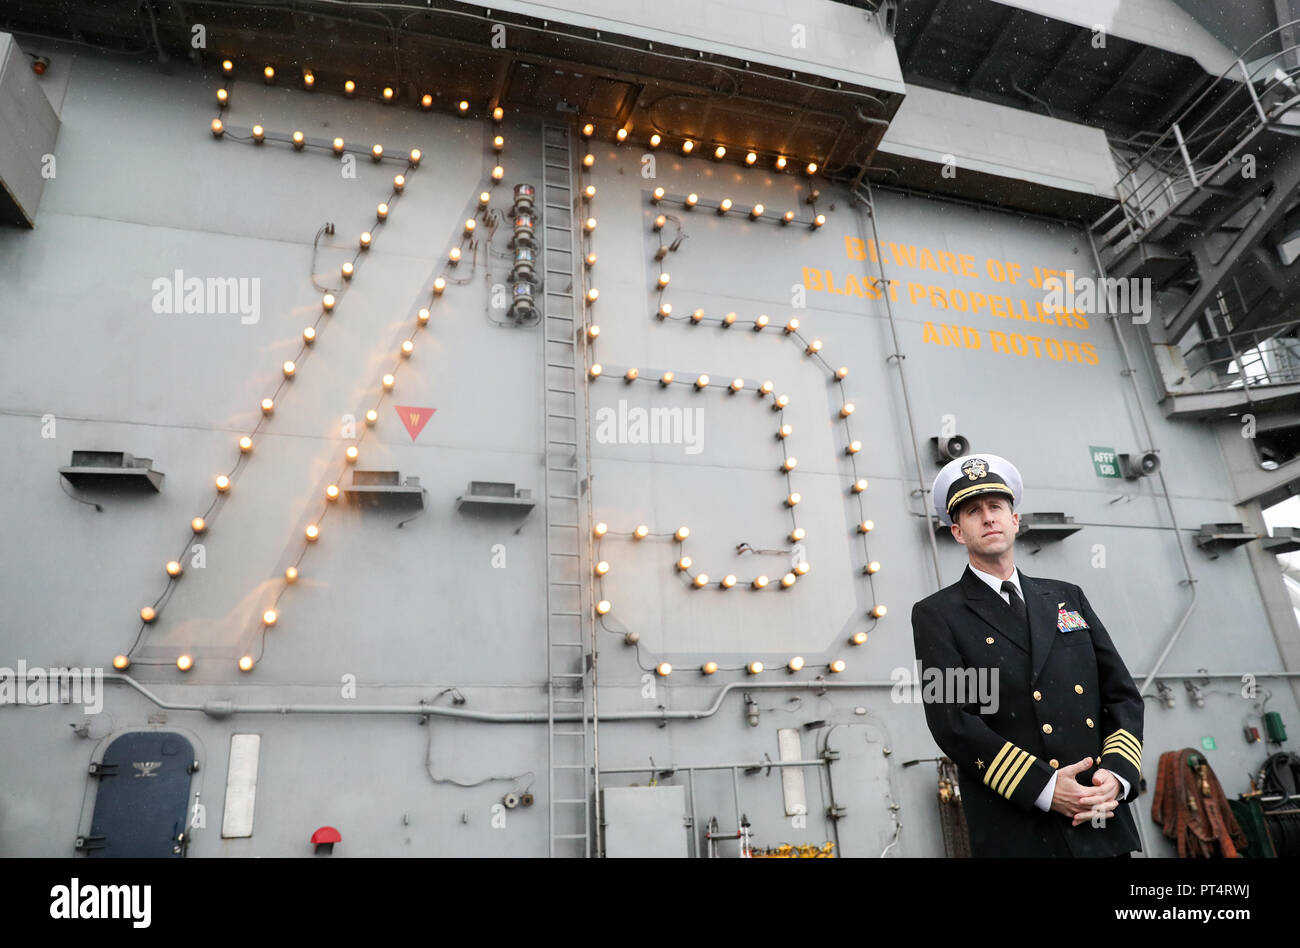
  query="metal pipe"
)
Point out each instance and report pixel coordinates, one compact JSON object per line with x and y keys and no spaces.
{"x":226,"y":708}
{"x":695,"y":829}
{"x":902,"y":376}
{"x":1164,"y":487}
{"x":691,"y":768}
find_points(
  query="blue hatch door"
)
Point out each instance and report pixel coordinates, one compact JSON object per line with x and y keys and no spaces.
{"x":144,"y":789}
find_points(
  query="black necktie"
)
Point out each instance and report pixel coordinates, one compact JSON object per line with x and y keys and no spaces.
{"x":1017,"y":603}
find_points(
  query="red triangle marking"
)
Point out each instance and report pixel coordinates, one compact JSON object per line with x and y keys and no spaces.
{"x":414,"y":418}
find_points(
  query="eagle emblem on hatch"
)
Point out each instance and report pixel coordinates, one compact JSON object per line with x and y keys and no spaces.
{"x":975,"y":468}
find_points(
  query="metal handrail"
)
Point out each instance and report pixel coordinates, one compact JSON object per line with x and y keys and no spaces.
{"x":1163,"y":174}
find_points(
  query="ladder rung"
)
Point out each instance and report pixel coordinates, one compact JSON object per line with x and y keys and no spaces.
{"x":568,"y":835}
{"x":564,"y":582}
{"x":563,"y":167}
{"x":562,"y":391}
{"x":565,"y":644}
{"x":560,"y":365}
{"x":581,"y":800}
{"x":561,"y":496}
{"x":563,"y":470}
{"x":571,"y":444}
{"x":559,"y":613}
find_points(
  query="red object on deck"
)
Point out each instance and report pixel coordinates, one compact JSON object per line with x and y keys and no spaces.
{"x":326,"y":834}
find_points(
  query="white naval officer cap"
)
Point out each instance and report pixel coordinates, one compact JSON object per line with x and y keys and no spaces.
{"x":971,"y":475}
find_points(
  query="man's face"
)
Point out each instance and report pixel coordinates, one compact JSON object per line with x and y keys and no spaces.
{"x":986,"y":525}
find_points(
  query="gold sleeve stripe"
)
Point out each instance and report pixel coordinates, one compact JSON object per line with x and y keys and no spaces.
{"x":1125,"y":740}
{"x":1008,"y":768}
{"x":1014,"y":760}
{"x":1120,"y":752}
{"x":1120,"y":732}
{"x":1024,"y":768}
{"x":997,"y":762}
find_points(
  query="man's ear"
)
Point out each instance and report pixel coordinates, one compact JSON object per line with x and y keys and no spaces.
{"x":956,"y":533}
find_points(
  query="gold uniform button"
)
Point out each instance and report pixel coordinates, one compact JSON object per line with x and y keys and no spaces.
{"x":1055,"y":763}
{"x":1047,"y":729}
{"x":1038,"y":696}
{"x":989,"y":640}
{"x":1098,"y":759}
{"x":1078,"y":689}
{"x":1088,"y":721}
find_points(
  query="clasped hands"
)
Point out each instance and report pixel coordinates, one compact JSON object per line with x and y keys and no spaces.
{"x":1081,"y":804}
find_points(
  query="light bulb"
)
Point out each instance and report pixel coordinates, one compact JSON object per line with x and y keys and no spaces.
{"x":750,"y":158}
{"x":814,"y":347}
{"x":701,"y":580}
{"x":372,"y":417}
{"x":223,"y":483}
{"x":269,"y":617}
{"x":666,"y":379}
{"x":312,"y":533}
{"x":663,"y":669}
{"x":665,"y":310}
{"x":692,"y":199}
{"x":842,"y":372}
{"x":173,"y":568}
{"x":846,"y":409}
{"x":120,"y":662}
{"x":381,"y":211}
{"x":781,"y":401}
{"x":658,"y":195}
{"x":780,"y":163}
{"x":365,"y":240}
{"x":387,"y":382}
{"x":793,"y":499}
{"x":756,"y":211}
{"x":697,"y":316}
{"x":760,"y":322}
{"x":602,"y":568}
{"x":223,"y":98}
{"x":795,"y":664}
{"x":682,"y":533}
{"x":291,"y":574}
{"x":246,"y":663}
{"x":709,"y":668}
{"x":332,"y":492}
{"x":439,"y":284}
{"x":600,"y":529}
{"x":797,"y":534}
{"x":760,"y":582}
{"x":288,"y":369}
{"x":592,"y":295}
{"x":659,"y":222}
{"x":217,"y":128}
{"x":784,"y":431}
{"x":872,"y":567}
{"x":595,"y":370}
{"x":198,"y":525}
{"x":498,"y":173}
{"x":684,"y":564}
{"x":377,"y":152}
{"x":879,"y":611}
{"x":588,"y":130}
{"x":737,"y":385}
{"x":588,"y":160}
{"x":453,"y":256}
{"x":309,"y":79}
{"x":426,"y":101}
{"x":792,"y":326}
{"x":603,"y":607}
{"x":462,"y":106}
{"x":185,"y":662}
{"x":631,"y":375}
{"x":818,"y":221}
{"x":589,"y":191}
{"x":327,"y":302}
{"x":655,"y":139}
{"x":787,"y":217}
{"x":245,"y":444}
{"x":227,"y":67}
{"x":337,"y":145}
{"x":663,"y":280}
{"x":268,"y":406}
{"x":498,"y":143}
{"x":719,"y":152}
{"x":853,"y":447}
{"x":407,"y":348}
{"x":349,"y":87}
{"x":621,"y":134}
{"x":641,"y":532}
{"x":688,"y":146}
{"x":728,"y":320}
{"x":148,"y":614}
{"x":859,"y":638}
{"x":590,"y":224}
{"x":422,"y":317}
{"x":859,"y":485}
{"x":812,"y":167}
{"x":498,"y":114}
{"x":728,"y":581}
{"x":724,"y":206}
{"x":351,"y":453}
{"x":259,"y":134}
{"x":347,"y":270}
{"x":754,"y":668}
{"x":801,"y":569}
{"x":399,"y":182}
{"x":789,"y":465}
{"x":866,"y":526}
{"x":269,"y":74}
{"x":837,"y":666}
{"x":484,"y":197}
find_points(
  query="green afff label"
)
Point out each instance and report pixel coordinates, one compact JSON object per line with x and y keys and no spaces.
{"x":1207,"y":743}
{"x":1104,"y":461}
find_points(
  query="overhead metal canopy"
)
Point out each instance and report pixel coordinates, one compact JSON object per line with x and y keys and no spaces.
{"x":1016,"y":57}
{"x":612,"y":79}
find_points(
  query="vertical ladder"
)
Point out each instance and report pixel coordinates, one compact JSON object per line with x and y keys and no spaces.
{"x":565,"y":429}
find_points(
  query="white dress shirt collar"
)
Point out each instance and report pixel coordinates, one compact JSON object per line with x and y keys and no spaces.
{"x":996,"y":584}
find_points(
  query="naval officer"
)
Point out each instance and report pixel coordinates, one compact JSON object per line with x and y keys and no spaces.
{"x":1044,"y":768}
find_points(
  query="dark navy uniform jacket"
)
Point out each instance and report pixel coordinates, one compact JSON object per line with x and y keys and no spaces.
{"x":1063,"y":694}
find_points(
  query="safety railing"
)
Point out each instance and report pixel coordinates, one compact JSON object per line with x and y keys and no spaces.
{"x":1195,"y":149}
